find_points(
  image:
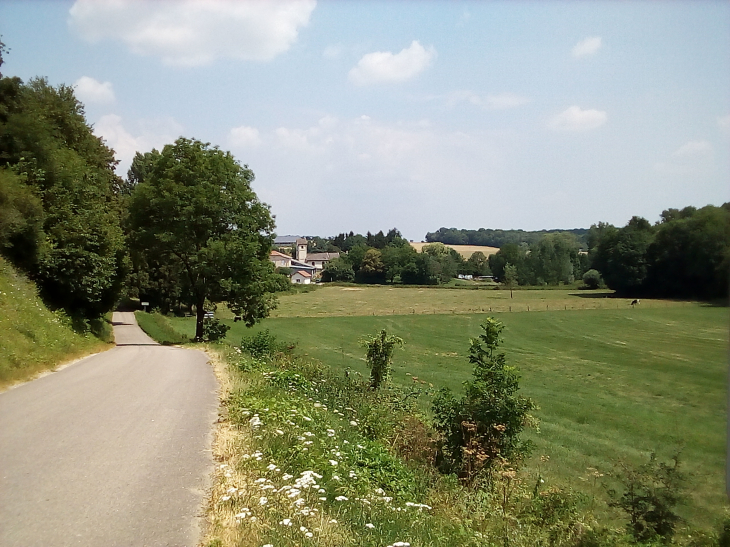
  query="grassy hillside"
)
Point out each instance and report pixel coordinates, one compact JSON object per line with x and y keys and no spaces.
{"x":33,"y":339}
{"x":610,"y":383}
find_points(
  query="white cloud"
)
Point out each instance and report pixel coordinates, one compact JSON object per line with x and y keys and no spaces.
{"x":576,"y":119}
{"x":501,"y":101}
{"x":194,"y":32}
{"x":384,"y":66}
{"x":244,"y":136}
{"x":693,"y":149}
{"x":724,"y":122}
{"x":150,"y":134}
{"x":323,"y":176}
{"x":89,"y":90}
{"x":332,"y":51}
{"x":587,"y":47}
{"x":504,"y":101}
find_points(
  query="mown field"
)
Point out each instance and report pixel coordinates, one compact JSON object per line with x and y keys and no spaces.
{"x":611,"y":383}
{"x":339,"y":301}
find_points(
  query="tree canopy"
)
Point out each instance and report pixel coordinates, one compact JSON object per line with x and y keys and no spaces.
{"x":195,"y":210}
{"x":59,"y":207}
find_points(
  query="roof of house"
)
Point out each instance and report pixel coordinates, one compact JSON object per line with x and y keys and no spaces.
{"x":301,"y":241}
{"x":302,"y":273}
{"x":322,"y":256}
{"x":285,"y":240}
{"x":277,"y":253}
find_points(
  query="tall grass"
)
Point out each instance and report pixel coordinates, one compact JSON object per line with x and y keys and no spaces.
{"x":32,"y":338}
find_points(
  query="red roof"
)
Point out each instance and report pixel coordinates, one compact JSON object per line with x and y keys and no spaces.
{"x":303,"y":273}
{"x":277,"y":253}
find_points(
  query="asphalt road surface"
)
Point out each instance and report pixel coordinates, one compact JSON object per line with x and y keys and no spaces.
{"x":114,"y":450}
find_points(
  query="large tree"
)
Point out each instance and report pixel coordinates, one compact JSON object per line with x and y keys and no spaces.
{"x":59,"y":198}
{"x":195,"y":209}
{"x":621,"y":256}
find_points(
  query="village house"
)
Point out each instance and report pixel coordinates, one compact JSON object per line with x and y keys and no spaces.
{"x":301,"y":277}
{"x":312,"y":264}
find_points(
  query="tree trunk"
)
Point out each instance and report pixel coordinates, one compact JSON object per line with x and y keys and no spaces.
{"x":200,"y":316}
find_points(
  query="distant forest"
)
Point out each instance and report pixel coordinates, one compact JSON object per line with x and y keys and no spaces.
{"x":499,"y":238}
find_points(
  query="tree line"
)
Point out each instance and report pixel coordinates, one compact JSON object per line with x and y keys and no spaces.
{"x":499,"y":238}
{"x":184,"y":229}
{"x":389,"y":258}
{"x":686,"y":254}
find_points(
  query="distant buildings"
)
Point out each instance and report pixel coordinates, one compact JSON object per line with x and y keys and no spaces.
{"x":305,"y":266}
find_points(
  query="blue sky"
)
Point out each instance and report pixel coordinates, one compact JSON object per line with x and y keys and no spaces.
{"x":372,"y":115}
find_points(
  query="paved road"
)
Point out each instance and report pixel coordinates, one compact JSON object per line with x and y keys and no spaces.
{"x":111,"y":451}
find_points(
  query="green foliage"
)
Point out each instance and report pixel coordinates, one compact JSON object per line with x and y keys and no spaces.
{"x":22,"y":239}
{"x":498,"y":238}
{"x":477,"y":265}
{"x":195,"y":210}
{"x":483,"y":427}
{"x":686,"y":255}
{"x":509,"y":278}
{"x":592,"y":279}
{"x":73,"y":247}
{"x":550,"y":260}
{"x":509,"y":254}
{"x":214,"y":330}
{"x":338,"y":269}
{"x":379,"y":356}
{"x":262,"y":344}
{"x":650,"y":496}
{"x":690,"y":255}
{"x":372,"y":269}
{"x":621,"y":255}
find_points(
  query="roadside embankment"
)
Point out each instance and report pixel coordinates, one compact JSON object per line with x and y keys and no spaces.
{"x":32,"y":338}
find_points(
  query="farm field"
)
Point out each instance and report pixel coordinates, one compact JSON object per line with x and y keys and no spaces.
{"x":611,"y":383}
{"x":464,"y":250}
{"x":337,"y":301}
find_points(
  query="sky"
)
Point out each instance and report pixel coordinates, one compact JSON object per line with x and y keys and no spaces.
{"x":367,"y":115}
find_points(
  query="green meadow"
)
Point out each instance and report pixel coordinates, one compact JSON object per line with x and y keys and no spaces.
{"x":612,"y":382}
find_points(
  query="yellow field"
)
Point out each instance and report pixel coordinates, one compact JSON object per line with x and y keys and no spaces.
{"x":464,"y":250}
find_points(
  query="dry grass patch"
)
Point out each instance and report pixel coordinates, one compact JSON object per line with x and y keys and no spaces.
{"x":464,"y":250}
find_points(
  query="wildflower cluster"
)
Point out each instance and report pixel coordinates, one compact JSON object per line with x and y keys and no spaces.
{"x":313,"y":474}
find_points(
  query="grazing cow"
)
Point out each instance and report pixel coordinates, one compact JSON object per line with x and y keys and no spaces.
{"x":637,"y":301}
{"x":237,"y":318}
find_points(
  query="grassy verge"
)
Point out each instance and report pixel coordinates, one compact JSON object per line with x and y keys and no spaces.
{"x":32,"y":338}
{"x":158,"y":327}
{"x":305,"y":456}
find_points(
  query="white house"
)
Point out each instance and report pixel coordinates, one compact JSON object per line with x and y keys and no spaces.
{"x":320,"y":260}
{"x":301,"y":277}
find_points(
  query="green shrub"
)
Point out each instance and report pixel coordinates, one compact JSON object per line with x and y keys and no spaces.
{"x":379,"y":356}
{"x":214,"y":330}
{"x":263,"y":344}
{"x":483,"y":427}
{"x":592,"y":279}
{"x":651,"y":494}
